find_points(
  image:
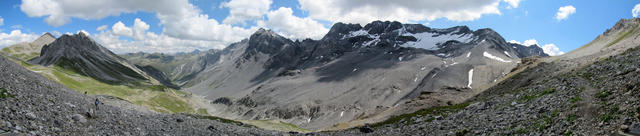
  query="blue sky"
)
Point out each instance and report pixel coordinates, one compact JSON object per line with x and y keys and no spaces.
{"x":180,"y":25}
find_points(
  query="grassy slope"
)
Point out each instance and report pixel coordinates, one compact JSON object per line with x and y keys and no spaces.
{"x":20,"y":52}
{"x":275,"y":125}
{"x":160,"y":99}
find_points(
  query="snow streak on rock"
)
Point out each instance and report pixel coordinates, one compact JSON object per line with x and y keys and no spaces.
{"x":486,"y":54}
{"x":470,"y":77}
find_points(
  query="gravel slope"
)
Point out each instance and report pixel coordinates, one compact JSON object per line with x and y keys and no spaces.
{"x":33,"y":105}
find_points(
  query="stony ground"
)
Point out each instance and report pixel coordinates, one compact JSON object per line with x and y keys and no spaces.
{"x":599,"y":99}
{"x":32,"y":105}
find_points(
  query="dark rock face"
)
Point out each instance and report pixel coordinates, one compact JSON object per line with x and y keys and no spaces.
{"x":81,"y":54}
{"x":158,"y":75}
{"x":525,"y":51}
{"x":222,"y":100}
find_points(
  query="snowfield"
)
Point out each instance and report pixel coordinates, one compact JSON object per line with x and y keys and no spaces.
{"x":488,"y":55}
{"x":429,"y":40}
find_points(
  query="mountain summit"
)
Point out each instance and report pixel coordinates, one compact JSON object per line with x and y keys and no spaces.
{"x":81,"y":54}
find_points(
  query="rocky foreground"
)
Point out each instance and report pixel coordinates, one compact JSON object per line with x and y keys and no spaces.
{"x":33,"y":105}
{"x":548,"y":99}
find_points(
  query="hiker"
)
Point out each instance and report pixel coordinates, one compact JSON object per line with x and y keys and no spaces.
{"x":97,"y":102}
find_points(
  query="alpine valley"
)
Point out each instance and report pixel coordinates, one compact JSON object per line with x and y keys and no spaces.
{"x":380,"y":78}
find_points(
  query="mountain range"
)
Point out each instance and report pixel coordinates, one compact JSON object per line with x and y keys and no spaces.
{"x":352,"y":73}
{"x":405,"y":79}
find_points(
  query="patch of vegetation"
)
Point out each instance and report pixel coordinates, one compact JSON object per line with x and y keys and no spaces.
{"x":530,"y":97}
{"x":575,"y":99}
{"x":202,"y":112}
{"x":546,"y":121}
{"x":437,"y":111}
{"x":611,"y":114}
{"x":571,"y":118}
{"x":568,"y":133}
{"x":4,"y":94}
{"x":170,"y":103}
{"x":602,"y":94}
{"x":160,"y":88}
{"x":619,"y":38}
{"x":462,"y":132}
{"x":522,"y":131}
{"x":275,"y":125}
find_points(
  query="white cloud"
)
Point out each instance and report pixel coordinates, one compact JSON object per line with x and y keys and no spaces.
{"x":14,"y":37}
{"x":148,"y":41}
{"x":564,"y":12}
{"x":242,"y":10}
{"x":179,"y":18}
{"x":530,"y":42}
{"x":83,"y":31}
{"x":102,"y":28}
{"x":552,"y":49}
{"x":636,"y":10}
{"x":514,"y":41}
{"x":284,"y":22}
{"x":139,"y":29}
{"x":120,"y":29}
{"x":513,"y":3}
{"x":365,"y":11}
{"x":1,"y":21}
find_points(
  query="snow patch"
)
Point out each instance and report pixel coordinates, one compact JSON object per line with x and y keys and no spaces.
{"x":470,"y":78}
{"x":468,"y":54}
{"x":429,"y":40}
{"x":486,"y":54}
{"x":354,"y":70}
{"x":505,"y":52}
{"x":399,"y":58}
{"x":341,"y":113}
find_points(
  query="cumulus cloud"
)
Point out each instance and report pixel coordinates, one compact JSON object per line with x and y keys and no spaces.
{"x":179,"y":18}
{"x":147,"y":41}
{"x":564,"y":12}
{"x":513,"y":3}
{"x":530,"y":42}
{"x":365,"y":11}
{"x":102,"y":28}
{"x":636,"y":10}
{"x":120,"y":29}
{"x":242,"y":10}
{"x":552,"y":50}
{"x":284,"y":22}
{"x":514,"y":41}
{"x":14,"y":37}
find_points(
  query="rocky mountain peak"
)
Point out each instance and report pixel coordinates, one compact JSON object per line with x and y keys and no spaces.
{"x":623,"y":24}
{"x":339,"y":29}
{"x":46,"y":38}
{"x":267,"y":41}
{"x":81,"y":54}
{"x":379,"y":27}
